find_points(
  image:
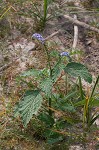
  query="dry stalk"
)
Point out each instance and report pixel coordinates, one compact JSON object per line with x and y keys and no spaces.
{"x":75,"y":38}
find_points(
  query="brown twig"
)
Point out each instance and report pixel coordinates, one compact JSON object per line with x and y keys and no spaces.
{"x":82,"y":24}
{"x":53,"y":34}
{"x":76,"y":22}
{"x":5,"y":67}
{"x":75,"y":35}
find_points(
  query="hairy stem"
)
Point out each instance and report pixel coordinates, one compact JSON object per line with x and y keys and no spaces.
{"x":49,"y":64}
{"x":48,"y":60}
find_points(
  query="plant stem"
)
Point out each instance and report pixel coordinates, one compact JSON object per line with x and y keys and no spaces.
{"x":49,"y":64}
{"x":80,"y":86}
{"x":81,"y":95}
{"x":66,"y":84}
{"x":94,"y":86}
{"x":48,"y":60}
{"x":45,"y":12}
{"x":50,"y":102}
{"x":5,"y":12}
{"x":89,"y":119}
{"x":87,"y":109}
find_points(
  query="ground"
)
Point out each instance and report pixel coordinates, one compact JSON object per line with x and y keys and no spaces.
{"x":18,"y":50}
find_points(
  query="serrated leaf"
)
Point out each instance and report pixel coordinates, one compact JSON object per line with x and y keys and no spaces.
{"x":66,"y":107}
{"x":56,"y":71}
{"x":31,"y":72}
{"x":54,"y":140}
{"x":55,"y":54}
{"x":62,"y":124}
{"x":16,"y":110}
{"x":29,"y":105}
{"x":53,"y":137}
{"x":45,"y":72}
{"x":70,"y":95}
{"x":47,"y":119}
{"x":46,"y":86}
{"x":76,"y":69}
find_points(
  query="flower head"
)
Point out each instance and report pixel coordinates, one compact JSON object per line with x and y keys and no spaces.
{"x":64,"y":54}
{"x":38,"y":37}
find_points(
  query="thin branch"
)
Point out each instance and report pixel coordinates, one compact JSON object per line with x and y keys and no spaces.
{"x":5,"y":67}
{"x":53,"y":34}
{"x":75,"y":35}
{"x":82,"y":24}
{"x":75,"y":38}
{"x":76,"y":22}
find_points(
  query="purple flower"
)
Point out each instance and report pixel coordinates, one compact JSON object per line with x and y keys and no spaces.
{"x":64,"y":54}
{"x":38,"y":37}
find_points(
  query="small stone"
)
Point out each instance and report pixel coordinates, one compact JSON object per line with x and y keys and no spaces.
{"x":89,"y":42}
{"x":22,"y":44}
{"x":76,"y":147}
{"x":30,"y":46}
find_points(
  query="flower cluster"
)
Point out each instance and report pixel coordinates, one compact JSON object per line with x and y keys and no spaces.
{"x":38,"y":37}
{"x":64,"y":54}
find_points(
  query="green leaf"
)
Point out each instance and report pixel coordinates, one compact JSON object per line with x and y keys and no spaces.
{"x":62,"y":124}
{"x":70,"y":95}
{"x":49,"y":1}
{"x":16,"y":110}
{"x":76,"y":69}
{"x":47,"y":119}
{"x":31,"y":72}
{"x":56,"y":71}
{"x":53,"y":137}
{"x":80,"y":103}
{"x":46,"y":86}
{"x":66,"y":107}
{"x":54,"y":140}
{"x":36,"y":73}
{"x":77,"y":51}
{"x":94,"y":103}
{"x":29,"y":84}
{"x":29,"y":105}
{"x":96,"y":83}
{"x":45,"y":72}
{"x":55,"y":54}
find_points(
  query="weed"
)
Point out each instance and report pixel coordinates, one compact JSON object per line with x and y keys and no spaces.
{"x":46,"y":101}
